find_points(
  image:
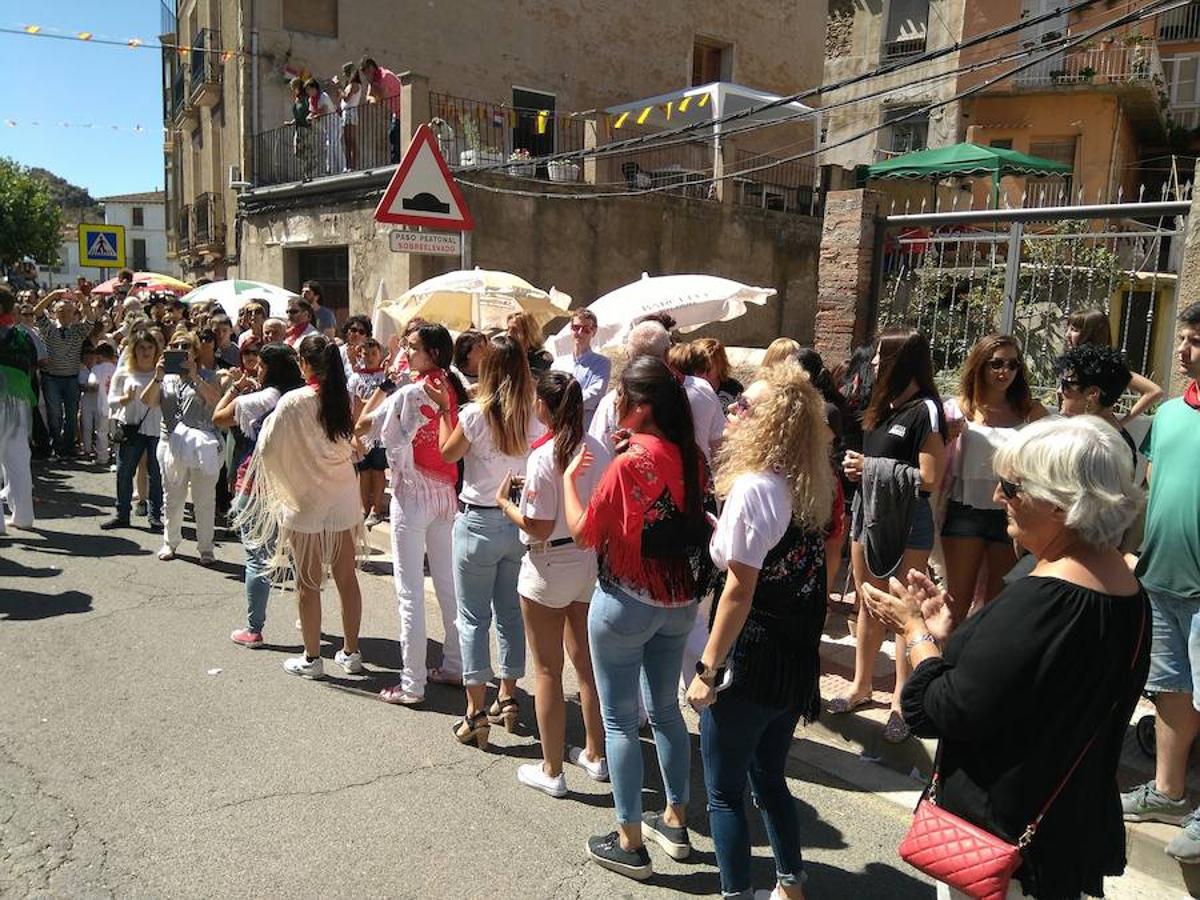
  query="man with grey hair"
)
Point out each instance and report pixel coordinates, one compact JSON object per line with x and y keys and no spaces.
{"x":589,"y":368}
{"x":650,"y":338}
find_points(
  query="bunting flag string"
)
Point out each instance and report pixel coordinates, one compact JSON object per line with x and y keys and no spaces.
{"x":133,"y":43}
{"x":94,"y":126}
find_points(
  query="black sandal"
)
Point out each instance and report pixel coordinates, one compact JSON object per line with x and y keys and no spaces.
{"x":506,"y":711}
{"x":473,"y":729}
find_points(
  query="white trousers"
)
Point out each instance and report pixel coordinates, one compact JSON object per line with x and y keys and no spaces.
{"x":90,"y":421}
{"x":15,"y":416}
{"x":416,"y":531}
{"x":175,"y":494}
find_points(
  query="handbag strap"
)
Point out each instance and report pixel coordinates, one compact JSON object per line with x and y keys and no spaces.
{"x":1027,"y":836}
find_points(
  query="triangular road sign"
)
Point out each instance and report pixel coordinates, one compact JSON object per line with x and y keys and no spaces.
{"x":422,"y":190}
{"x":102,"y":248}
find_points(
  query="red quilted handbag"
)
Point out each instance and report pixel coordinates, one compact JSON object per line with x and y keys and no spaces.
{"x":966,"y":857}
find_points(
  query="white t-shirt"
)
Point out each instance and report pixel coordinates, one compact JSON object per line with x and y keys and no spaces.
{"x":101,"y":377}
{"x":484,"y":466}
{"x":542,"y":496}
{"x":249,"y":410}
{"x":604,"y":420}
{"x":755,"y":518}
{"x":707,"y":415}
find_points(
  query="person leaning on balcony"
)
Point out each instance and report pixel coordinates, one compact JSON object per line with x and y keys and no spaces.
{"x":1045,"y":676}
{"x":351,"y":95}
{"x":1091,"y":326}
{"x":1169,"y":567}
{"x":299,"y":121}
{"x":383,"y":86}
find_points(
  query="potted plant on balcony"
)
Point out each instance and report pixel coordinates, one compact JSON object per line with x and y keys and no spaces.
{"x":563,"y":170}
{"x":1058,"y":74}
{"x":519,"y":164}
{"x":1087,"y":73}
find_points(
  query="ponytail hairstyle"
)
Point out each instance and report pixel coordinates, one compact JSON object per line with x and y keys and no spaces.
{"x":649,"y":380}
{"x":440,"y":346}
{"x":564,"y":398}
{"x":322,"y":356}
{"x":1093,"y":327}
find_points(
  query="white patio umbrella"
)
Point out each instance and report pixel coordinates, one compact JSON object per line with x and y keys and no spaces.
{"x":692,"y":300}
{"x":477,"y":297}
{"x":233,"y":293}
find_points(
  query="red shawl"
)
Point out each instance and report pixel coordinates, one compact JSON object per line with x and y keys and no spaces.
{"x":1192,"y":396}
{"x":642,"y":492}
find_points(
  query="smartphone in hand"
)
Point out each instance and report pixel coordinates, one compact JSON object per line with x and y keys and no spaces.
{"x":175,"y":362}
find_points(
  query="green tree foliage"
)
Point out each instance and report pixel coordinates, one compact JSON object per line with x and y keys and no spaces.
{"x":30,"y":220}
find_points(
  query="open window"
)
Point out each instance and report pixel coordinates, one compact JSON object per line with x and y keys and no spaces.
{"x":908,"y":129}
{"x":907,"y":23}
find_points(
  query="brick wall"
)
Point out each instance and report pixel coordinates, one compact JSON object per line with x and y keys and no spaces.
{"x":845,"y":266}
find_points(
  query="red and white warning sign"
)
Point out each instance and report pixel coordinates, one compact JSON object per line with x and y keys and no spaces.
{"x":422,"y":190}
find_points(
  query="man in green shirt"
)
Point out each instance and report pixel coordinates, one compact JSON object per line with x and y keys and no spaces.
{"x":1169,"y":569}
{"x":18,"y":358}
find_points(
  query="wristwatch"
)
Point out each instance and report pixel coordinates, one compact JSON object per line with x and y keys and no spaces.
{"x":708,"y":674}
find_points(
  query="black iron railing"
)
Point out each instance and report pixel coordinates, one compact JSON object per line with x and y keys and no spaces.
{"x":476,"y":133}
{"x":326,"y":145}
{"x":208,"y":220}
{"x":205,"y":58}
{"x":183,"y":234}
{"x":787,"y":186}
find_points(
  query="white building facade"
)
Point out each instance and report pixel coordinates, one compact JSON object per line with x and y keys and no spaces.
{"x":144,"y":218}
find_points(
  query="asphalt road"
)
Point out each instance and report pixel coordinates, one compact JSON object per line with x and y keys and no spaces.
{"x":144,"y":754}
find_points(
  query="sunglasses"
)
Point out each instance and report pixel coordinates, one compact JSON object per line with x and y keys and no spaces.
{"x":575,"y":326}
{"x":1067,"y":384}
{"x":1009,"y":489}
{"x":179,"y":346}
{"x":997,"y":364}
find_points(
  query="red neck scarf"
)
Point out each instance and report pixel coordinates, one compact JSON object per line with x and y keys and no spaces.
{"x":294,"y":332}
{"x":544,"y":439}
{"x":1192,"y":395}
{"x":313,"y":383}
{"x":8,"y":320}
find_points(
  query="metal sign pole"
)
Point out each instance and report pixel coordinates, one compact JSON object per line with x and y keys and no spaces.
{"x":1012,"y":277}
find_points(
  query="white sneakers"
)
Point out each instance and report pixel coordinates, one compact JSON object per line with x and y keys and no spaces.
{"x":350,"y":662}
{"x":597,"y":771}
{"x":298,"y":665}
{"x":534,"y":776}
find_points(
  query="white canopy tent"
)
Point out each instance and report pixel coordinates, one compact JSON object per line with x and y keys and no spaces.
{"x":706,"y":103}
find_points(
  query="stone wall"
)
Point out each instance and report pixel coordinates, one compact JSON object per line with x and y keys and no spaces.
{"x":844,"y":317}
{"x":584,"y":247}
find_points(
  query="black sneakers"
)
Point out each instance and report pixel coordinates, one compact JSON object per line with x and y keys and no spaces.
{"x":114,"y":522}
{"x":605,"y":850}
{"x":673,"y":840}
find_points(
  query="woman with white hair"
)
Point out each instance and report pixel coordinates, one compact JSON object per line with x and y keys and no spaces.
{"x":1032,"y":695}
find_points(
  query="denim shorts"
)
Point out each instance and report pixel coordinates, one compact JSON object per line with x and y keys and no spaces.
{"x":921,"y":536}
{"x":964,"y":521}
{"x":1175,"y":645}
{"x":374,"y":461}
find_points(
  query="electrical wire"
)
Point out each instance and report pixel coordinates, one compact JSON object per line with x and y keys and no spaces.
{"x":1128,"y":18}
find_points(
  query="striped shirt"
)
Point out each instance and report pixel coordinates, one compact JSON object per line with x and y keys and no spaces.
{"x":64,"y":344}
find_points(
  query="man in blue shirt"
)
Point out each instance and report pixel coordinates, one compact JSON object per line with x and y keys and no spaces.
{"x":589,"y":368}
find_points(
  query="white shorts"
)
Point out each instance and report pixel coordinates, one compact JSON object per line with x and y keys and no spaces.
{"x":558,"y":577}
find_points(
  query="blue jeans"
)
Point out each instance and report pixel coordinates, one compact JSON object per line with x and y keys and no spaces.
{"x":738,"y":739}
{"x":129,"y":454}
{"x":62,"y":409}
{"x":258,"y":583}
{"x":631,"y":638}
{"x":487,"y":560}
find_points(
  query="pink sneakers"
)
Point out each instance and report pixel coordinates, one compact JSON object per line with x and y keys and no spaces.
{"x":247,"y":638}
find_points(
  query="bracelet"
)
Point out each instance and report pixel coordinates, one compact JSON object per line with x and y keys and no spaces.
{"x":921,"y":639}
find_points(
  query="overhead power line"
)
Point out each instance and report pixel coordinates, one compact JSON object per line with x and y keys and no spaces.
{"x":1149,"y":11}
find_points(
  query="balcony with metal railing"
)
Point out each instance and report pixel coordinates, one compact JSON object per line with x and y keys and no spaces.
{"x":770,"y":183}
{"x":208,"y":224}
{"x":1180,"y":24}
{"x":903,"y":47}
{"x":183,"y":241}
{"x":205,"y":64}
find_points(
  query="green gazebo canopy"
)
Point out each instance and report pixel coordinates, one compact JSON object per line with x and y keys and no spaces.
{"x":966,"y":159}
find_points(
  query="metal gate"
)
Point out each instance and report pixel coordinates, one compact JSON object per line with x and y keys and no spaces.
{"x":957,"y":276}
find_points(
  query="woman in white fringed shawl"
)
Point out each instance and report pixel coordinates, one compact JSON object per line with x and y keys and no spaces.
{"x":303,"y":500}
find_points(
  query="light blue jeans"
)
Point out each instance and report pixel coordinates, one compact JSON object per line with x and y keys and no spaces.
{"x":258,"y":583}
{"x":631,"y":639}
{"x":487,"y":561}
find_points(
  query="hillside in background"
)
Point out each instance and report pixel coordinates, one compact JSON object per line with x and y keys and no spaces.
{"x":77,"y":204}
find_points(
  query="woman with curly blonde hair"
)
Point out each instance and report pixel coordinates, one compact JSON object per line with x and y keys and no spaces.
{"x":762,"y":654}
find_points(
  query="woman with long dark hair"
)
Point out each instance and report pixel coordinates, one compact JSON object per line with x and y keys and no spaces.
{"x":993,"y":403}
{"x":1091,"y":326}
{"x":556,"y":582}
{"x":774,"y":476}
{"x":892,"y":530}
{"x":250,"y":397}
{"x":310,"y":512}
{"x":492,"y":438}
{"x":647,"y":524}
{"x":405,"y":420}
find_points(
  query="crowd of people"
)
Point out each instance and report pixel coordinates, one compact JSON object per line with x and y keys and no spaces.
{"x":675,"y":533}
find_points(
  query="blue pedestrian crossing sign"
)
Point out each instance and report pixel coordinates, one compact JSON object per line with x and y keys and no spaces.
{"x":102,"y":245}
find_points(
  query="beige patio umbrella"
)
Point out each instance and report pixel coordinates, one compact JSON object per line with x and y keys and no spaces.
{"x":478,"y":298}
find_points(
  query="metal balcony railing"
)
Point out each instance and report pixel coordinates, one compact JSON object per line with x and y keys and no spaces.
{"x":1182,"y":24}
{"x":1125,"y":63}
{"x":905,"y":47}
{"x":182,"y":229}
{"x":176,"y":101}
{"x":205,"y":59}
{"x":787,"y":186}
{"x":208,"y":221}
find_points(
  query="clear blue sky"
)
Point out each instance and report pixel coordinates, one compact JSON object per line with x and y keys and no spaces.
{"x":53,"y":81}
